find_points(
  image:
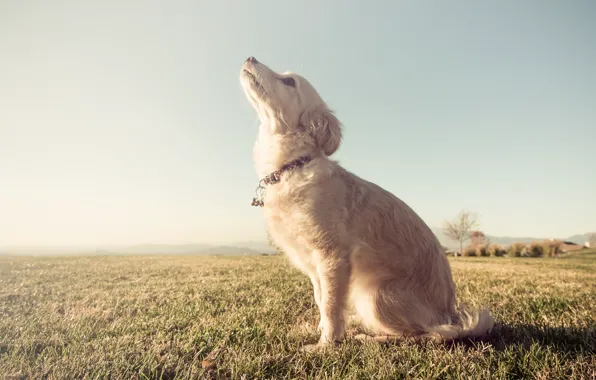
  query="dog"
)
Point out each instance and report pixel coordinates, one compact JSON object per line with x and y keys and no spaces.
{"x":363,"y":248}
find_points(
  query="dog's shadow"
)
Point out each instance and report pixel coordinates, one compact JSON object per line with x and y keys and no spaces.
{"x":570,"y":341}
{"x":566,"y":340}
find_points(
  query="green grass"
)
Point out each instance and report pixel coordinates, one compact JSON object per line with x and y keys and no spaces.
{"x":161,"y":317}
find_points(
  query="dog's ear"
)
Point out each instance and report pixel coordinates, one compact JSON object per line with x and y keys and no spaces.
{"x":324,"y":127}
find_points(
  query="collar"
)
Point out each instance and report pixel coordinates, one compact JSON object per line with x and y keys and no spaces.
{"x":275,"y":177}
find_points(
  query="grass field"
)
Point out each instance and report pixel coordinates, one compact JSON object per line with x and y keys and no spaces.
{"x":247,"y":317}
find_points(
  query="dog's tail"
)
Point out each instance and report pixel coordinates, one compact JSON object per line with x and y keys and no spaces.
{"x":465,"y":324}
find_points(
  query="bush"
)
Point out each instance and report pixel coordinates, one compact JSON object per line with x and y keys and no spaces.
{"x":554,"y":247}
{"x":539,"y":250}
{"x":516,"y":250}
{"x":513,"y":252}
{"x":498,"y":251}
{"x":485,"y":250}
{"x":470,"y":251}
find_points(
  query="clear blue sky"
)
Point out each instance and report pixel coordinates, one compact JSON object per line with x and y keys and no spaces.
{"x":124,"y":121}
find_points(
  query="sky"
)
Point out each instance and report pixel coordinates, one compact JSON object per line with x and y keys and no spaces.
{"x":123,"y":122}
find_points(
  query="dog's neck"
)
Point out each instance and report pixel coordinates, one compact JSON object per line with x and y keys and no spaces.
{"x":273,"y":149}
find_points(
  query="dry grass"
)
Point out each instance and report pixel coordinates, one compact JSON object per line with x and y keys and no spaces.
{"x":246,"y":317}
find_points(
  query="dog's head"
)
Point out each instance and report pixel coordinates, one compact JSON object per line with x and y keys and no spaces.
{"x":289,"y":104}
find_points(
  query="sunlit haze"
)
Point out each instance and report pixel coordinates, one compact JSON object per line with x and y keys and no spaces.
{"x":123,"y":122}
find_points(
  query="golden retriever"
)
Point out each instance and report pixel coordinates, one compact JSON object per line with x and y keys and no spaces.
{"x":362,"y":247}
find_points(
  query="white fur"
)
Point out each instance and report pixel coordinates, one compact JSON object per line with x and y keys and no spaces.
{"x":360,"y":245}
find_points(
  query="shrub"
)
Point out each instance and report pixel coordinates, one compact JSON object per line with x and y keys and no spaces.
{"x":470,"y":251}
{"x":516,"y":250}
{"x":538,"y":250}
{"x":554,"y":247}
{"x":498,"y":251}
{"x":513,"y":252}
{"x":485,"y":250}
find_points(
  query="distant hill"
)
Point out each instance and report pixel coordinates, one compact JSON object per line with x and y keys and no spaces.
{"x":183,"y":249}
{"x":188,"y":249}
{"x":507,"y":240}
{"x":140,"y":249}
{"x":581,"y":238}
{"x":254,"y":247}
{"x":260,"y":246}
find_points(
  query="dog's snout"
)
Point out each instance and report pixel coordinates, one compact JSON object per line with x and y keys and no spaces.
{"x":252,"y":59}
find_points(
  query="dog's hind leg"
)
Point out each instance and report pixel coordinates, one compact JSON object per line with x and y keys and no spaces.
{"x":390,"y":311}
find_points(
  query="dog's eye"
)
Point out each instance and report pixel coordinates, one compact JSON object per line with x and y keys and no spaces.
{"x":289,"y":81}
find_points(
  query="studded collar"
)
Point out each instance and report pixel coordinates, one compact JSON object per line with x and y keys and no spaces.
{"x":275,"y":177}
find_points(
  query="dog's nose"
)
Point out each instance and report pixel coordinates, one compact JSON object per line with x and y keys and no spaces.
{"x":252,"y":59}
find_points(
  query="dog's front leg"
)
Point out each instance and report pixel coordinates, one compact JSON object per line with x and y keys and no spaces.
{"x":316,"y":285}
{"x":334,"y":278}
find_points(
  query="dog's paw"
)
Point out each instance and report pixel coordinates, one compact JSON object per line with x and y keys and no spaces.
{"x":364,"y":338}
{"x":312,"y":348}
{"x":320,"y":346}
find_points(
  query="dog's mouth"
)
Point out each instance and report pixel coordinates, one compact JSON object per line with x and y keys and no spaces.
{"x":252,"y":79}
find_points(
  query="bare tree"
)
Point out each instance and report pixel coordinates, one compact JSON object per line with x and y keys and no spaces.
{"x":459,"y":229}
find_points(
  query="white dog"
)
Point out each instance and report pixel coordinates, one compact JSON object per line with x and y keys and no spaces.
{"x":360,"y":245}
